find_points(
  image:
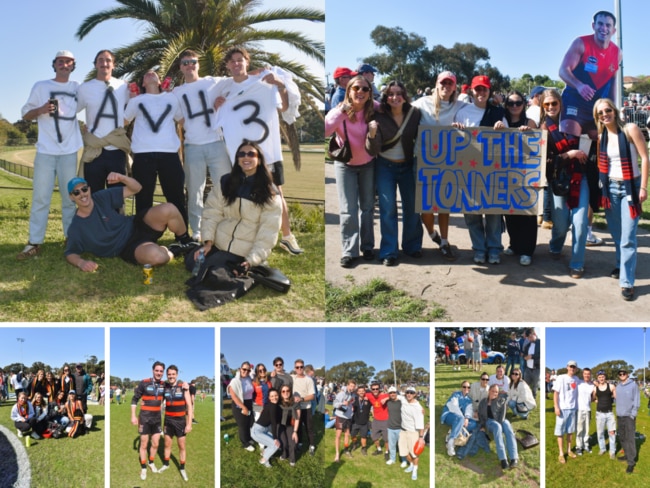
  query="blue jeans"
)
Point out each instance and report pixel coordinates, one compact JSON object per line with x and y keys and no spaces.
{"x":456,"y":423}
{"x":390,"y":176}
{"x":356,"y":190}
{"x":47,"y":168}
{"x":262,"y":435}
{"x":498,"y":430}
{"x":200,"y":158}
{"x":606,"y":421}
{"x":623,"y":229}
{"x":563,"y":217}
{"x":512,"y":361}
{"x":393,"y":438}
{"x":512,"y":405}
{"x":485,"y":236}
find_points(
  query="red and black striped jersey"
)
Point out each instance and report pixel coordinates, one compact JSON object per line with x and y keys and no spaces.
{"x":152,"y":394}
{"x":175,"y":405}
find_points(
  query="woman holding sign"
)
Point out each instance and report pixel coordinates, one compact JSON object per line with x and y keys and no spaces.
{"x":352,"y":120}
{"x":522,"y":229}
{"x":393,"y":142}
{"x":570,"y":201}
{"x":620,"y":146}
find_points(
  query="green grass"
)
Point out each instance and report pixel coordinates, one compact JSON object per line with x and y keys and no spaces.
{"x":125,"y":441}
{"x":377,"y":301}
{"x":592,"y":469}
{"x":483,"y":469}
{"x":47,"y":288}
{"x":76,"y":462}
{"x":241,"y":469}
{"x":371,"y":471}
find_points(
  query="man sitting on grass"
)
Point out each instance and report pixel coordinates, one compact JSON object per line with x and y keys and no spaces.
{"x":98,"y":228}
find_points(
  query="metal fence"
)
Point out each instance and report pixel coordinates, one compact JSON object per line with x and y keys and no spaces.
{"x":17,"y":169}
{"x":638,"y":117}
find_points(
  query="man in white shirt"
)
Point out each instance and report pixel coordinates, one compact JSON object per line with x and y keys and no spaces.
{"x":565,"y":402}
{"x":304,"y":386}
{"x":53,"y":104}
{"x":500,"y":379}
{"x":585,"y":392}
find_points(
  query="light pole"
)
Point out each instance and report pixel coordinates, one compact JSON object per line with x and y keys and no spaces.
{"x":644,"y":363}
{"x":21,"y":340}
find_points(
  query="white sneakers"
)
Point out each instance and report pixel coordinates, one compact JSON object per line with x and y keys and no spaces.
{"x":451,"y":451}
{"x":290,"y":245}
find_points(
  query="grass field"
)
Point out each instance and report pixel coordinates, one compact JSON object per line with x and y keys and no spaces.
{"x":125,"y":442}
{"x":592,"y":469}
{"x":74,"y":462}
{"x":241,"y":469}
{"x":46,"y":288}
{"x":483,"y":469}
{"x":371,"y":471}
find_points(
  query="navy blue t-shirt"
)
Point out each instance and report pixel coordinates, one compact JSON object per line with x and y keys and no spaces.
{"x":104,"y":232}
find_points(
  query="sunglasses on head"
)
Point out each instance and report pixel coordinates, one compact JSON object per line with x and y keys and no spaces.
{"x":250,"y":154}
{"x":83,"y":189}
{"x":356,"y":88}
{"x":186,"y":62}
{"x":514,"y":103}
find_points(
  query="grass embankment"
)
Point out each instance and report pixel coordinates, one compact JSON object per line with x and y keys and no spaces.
{"x":483,"y":469}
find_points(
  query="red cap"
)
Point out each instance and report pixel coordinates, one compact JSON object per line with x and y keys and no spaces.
{"x":481,"y":80}
{"x":342,"y":71}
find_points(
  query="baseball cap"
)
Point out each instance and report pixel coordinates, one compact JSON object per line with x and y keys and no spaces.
{"x":411,"y":389}
{"x":366,"y":68}
{"x":343,"y":71}
{"x":74,"y":182}
{"x":537,"y":91}
{"x":446,"y":75}
{"x":481,"y":80}
{"x":64,"y":54}
{"x":392,"y":389}
{"x":572,"y":363}
{"x":623,"y":370}
{"x":601,"y":371}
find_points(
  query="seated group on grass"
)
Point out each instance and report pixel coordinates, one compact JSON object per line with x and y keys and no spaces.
{"x":482,"y":407}
{"x":397,"y":419}
{"x":40,"y":418}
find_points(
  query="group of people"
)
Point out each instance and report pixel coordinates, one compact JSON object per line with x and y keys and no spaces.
{"x":271,"y":406}
{"x":243,"y":156}
{"x":174,"y":394}
{"x":572,"y":399}
{"x":398,"y":420}
{"x":46,"y":404}
{"x":381,"y":135}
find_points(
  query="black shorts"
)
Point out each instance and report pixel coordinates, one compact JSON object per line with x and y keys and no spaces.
{"x":141,"y":233}
{"x":278,"y":173}
{"x":342,"y":424}
{"x":149,"y":424}
{"x":175,"y":426}
{"x":359,"y":428}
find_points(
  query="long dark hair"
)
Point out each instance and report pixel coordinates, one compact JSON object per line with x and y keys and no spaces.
{"x":384,"y":97}
{"x":263,"y":190}
{"x":522,"y":118}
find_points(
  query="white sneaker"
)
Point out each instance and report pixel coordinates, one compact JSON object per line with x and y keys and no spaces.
{"x":451,"y":451}
{"x":153,"y":468}
{"x":409,"y":469}
{"x":264,"y":463}
{"x":164,"y":467}
{"x":250,"y":448}
{"x":184,"y":475}
{"x":592,"y":240}
{"x":290,"y":245}
{"x":414,"y":475}
{"x":404,"y":464}
{"x":143,"y":474}
{"x":19,"y":433}
{"x":525,"y":260}
{"x":390,"y":461}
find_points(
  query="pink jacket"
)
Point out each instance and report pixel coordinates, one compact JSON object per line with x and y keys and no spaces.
{"x":356,"y":134}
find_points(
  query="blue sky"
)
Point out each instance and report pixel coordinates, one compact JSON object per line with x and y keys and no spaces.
{"x":40,"y":28}
{"x":589,"y":346}
{"x":262,"y":344}
{"x":373,"y":346}
{"x":134,"y":350}
{"x":50,"y":345}
{"x":521,"y":36}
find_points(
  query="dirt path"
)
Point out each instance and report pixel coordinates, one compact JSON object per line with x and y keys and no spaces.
{"x":508,"y":292}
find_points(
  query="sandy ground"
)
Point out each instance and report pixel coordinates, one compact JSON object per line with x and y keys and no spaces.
{"x":507,"y":292}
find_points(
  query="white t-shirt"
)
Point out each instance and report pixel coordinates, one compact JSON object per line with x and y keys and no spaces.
{"x":197,"y":105}
{"x":534,"y":112}
{"x":469,"y":115}
{"x":504,"y":383}
{"x":567,"y":388}
{"x":584,"y":395}
{"x":530,"y":363}
{"x":445,"y":116}
{"x":60,"y":134}
{"x":104,"y":103}
{"x":250,"y":112}
{"x":154,"y":129}
{"x":614,"y":156}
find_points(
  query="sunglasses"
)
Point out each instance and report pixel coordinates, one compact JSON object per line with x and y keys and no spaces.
{"x":356,"y":88}
{"x":485,"y":379}
{"x":83,"y":189}
{"x":572,"y":366}
{"x":245,"y":369}
{"x":513,"y":103}
{"x":551,"y":104}
{"x":299,"y":367}
{"x":374,"y":389}
{"x":605,"y":111}
{"x":250,"y":154}
{"x":261,"y":369}
{"x":622,"y":374}
{"x":463,"y":387}
{"x":447,"y":83}
{"x":187,"y":62}
{"x":514,"y":374}
{"x":277,"y":365}
{"x":413,"y":393}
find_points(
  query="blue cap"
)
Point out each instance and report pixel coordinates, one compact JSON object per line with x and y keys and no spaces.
{"x":537,"y":91}
{"x":74,"y":182}
{"x":366,"y":68}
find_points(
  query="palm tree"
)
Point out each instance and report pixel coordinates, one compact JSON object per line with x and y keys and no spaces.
{"x":210,"y":27}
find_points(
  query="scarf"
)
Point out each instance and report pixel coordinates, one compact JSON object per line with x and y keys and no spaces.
{"x":628,"y":173}
{"x":562,"y":145}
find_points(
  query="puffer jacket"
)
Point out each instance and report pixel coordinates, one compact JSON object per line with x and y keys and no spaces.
{"x":243,"y":228}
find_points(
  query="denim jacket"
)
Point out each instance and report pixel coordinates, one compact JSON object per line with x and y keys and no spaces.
{"x":459,"y":404}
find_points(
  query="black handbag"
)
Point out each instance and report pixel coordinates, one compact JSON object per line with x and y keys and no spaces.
{"x":526,"y":439}
{"x":561,"y":182}
{"x":270,"y":277}
{"x":340,"y":153}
